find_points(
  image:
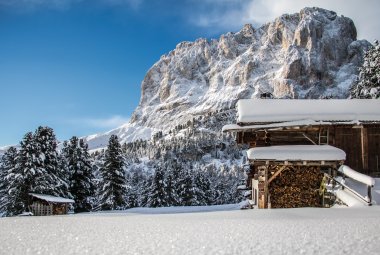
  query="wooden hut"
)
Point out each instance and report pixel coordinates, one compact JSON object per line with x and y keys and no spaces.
{"x":290,"y":176}
{"x":48,"y":205}
{"x":267,"y":125}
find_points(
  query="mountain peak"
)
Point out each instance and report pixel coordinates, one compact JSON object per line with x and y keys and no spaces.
{"x":247,"y":30}
{"x":310,"y":54}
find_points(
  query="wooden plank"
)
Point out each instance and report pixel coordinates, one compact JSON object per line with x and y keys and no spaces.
{"x":374,"y":150}
{"x":364,"y":148}
{"x":276,"y":174}
{"x":266,"y":190}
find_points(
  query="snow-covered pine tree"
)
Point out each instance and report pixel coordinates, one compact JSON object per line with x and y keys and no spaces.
{"x":186,"y":188}
{"x":97,"y":162}
{"x":86,"y":162}
{"x":113,"y":188}
{"x":202,"y":188}
{"x":132,"y":197}
{"x":47,"y":180}
{"x":221,"y":187}
{"x":175,"y":171}
{"x":63,"y":174}
{"x":171,"y":196}
{"x":145,"y":191}
{"x":368,"y":85}
{"x":157,"y":193}
{"x":81,"y":184}
{"x":3,"y":186}
{"x":10,"y":202}
{"x":22,"y":178}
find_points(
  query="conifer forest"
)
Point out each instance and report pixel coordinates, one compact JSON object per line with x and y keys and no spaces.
{"x":190,"y":165}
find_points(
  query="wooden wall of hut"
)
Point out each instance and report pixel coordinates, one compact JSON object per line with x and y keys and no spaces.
{"x":362,"y":147}
{"x":361,"y":144}
{"x":374,"y":150}
{"x":41,"y":208}
{"x":348,"y":139}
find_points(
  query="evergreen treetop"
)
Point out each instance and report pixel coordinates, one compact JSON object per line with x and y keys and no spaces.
{"x":368,"y":85}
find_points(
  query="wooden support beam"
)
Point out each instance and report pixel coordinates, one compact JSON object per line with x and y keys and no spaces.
{"x":276,"y":174}
{"x":369,"y":195}
{"x":308,"y":138}
{"x":364,"y":148}
{"x":266,"y":190}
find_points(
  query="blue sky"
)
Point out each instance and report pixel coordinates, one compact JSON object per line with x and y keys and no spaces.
{"x":77,"y":65}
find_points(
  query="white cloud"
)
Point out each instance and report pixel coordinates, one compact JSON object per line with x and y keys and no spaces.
{"x":363,"y":12}
{"x":104,"y":123}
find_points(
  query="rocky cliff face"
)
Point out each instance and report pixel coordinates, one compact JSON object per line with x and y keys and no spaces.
{"x":310,"y":54}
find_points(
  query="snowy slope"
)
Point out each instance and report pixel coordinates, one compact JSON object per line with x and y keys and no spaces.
{"x":126,"y":133}
{"x":279,"y":231}
{"x":309,"y":54}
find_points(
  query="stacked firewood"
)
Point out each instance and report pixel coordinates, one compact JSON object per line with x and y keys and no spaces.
{"x":296,"y":187}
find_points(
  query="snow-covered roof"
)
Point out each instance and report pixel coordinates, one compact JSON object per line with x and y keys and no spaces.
{"x":280,"y":110}
{"x":53,"y":199}
{"x":297,"y":153}
{"x":236,"y":127}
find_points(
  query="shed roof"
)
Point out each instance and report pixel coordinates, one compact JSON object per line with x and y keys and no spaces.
{"x":53,"y":199}
{"x":274,"y":126}
{"x":281,"y":110}
{"x":297,"y":153}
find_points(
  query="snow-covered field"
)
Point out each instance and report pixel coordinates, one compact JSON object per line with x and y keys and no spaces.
{"x":220,"y":230}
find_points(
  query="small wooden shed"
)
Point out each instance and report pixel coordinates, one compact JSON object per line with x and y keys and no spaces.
{"x":290,"y":176}
{"x":274,"y":129}
{"x":41,"y":205}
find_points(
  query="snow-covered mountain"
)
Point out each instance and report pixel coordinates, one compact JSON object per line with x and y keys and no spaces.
{"x":310,"y":54}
